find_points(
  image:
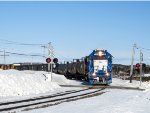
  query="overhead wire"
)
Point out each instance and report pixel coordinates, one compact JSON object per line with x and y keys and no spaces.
{"x":22,"y":54}
{"x":4,"y":41}
{"x":18,"y":43}
{"x":140,"y":47}
{"x":27,"y":44}
{"x":146,"y":58}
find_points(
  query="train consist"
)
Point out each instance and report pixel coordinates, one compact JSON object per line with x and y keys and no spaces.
{"x":95,"y":68}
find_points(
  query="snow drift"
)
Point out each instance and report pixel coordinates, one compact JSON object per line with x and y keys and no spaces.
{"x":18,"y":83}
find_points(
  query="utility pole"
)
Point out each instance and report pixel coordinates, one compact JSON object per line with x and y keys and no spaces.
{"x":49,"y":55}
{"x":132,"y":62}
{"x":32,"y":63}
{"x":44,"y":46}
{"x":141,"y":59}
{"x":4,"y":59}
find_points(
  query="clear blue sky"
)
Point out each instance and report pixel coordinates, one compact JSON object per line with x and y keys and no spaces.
{"x":76,"y":28}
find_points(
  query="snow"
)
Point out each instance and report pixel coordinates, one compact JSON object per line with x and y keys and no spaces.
{"x":24,"y":84}
{"x":61,"y":80}
{"x":146,"y":75}
{"x":126,"y":83}
{"x":114,"y":101}
{"x":19,"y":83}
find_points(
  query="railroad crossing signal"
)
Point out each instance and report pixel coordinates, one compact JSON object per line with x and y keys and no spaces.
{"x":55,"y":60}
{"x":51,"y":58}
{"x":48,"y":60}
{"x":137,"y":65}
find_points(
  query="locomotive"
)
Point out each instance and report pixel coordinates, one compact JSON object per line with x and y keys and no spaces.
{"x":95,"y":68}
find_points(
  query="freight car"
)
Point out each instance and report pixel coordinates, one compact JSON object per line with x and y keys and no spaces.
{"x":95,"y":68}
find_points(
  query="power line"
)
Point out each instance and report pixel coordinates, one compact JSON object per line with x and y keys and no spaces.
{"x":63,"y":57}
{"x":146,"y":49}
{"x":22,"y":54}
{"x":140,"y":47}
{"x":19,"y":43}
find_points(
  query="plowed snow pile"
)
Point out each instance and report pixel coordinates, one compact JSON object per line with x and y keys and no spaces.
{"x":13,"y":83}
{"x":19,"y":83}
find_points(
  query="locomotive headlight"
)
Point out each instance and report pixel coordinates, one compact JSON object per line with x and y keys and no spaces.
{"x":94,"y":74}
{"x":107,"y":74}
{"x":100,"y":53}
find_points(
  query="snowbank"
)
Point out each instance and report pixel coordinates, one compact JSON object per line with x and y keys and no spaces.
{"x":18,"y":83}
{"x":62,"y":80}
{"x":126,"y":83}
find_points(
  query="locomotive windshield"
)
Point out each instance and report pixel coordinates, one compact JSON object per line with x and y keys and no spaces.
{"x":97,"y":57}
{"x":100,"y":55}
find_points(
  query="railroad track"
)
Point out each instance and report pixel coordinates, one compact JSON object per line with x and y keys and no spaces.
{"x":49,"y":100}
{"x":103,"y":86}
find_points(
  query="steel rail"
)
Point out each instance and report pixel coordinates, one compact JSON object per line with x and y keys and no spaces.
{"x":102,"y":86}
{"x":28,"y":102}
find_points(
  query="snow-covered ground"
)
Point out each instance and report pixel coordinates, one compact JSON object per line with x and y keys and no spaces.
{"x":19,"y":83}
{"x":114,"y":101}
{"x":126,"y":83}
{"x":23,"y":84}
